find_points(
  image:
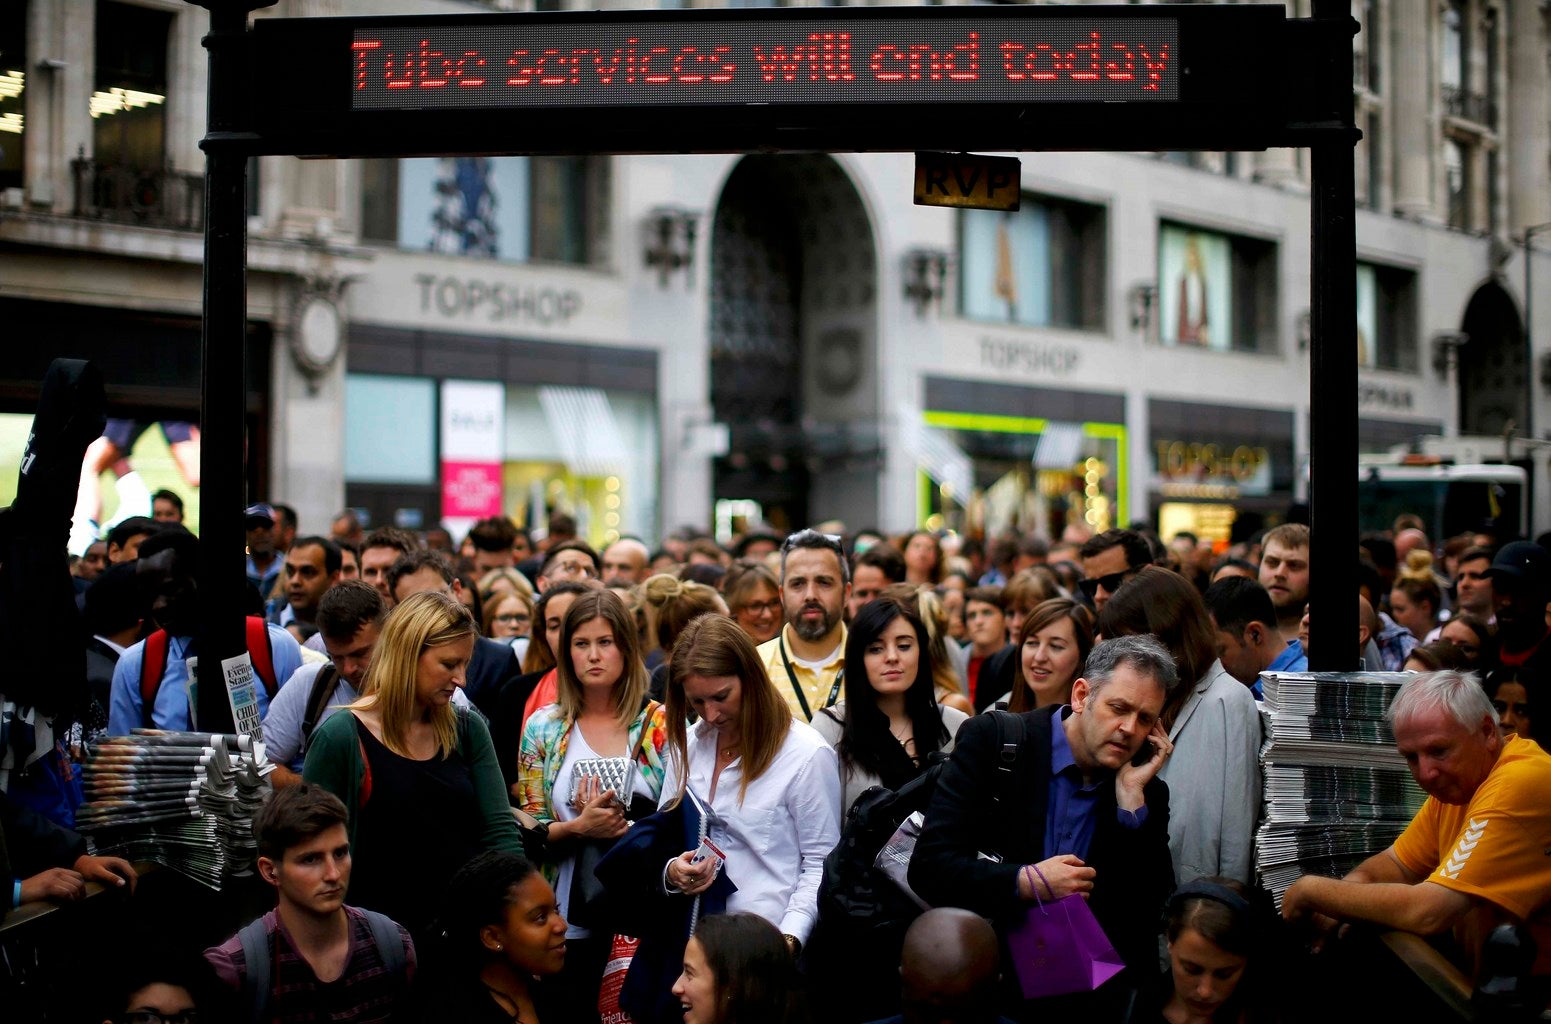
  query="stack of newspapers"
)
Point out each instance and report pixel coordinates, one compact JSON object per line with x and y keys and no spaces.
{"x":1336,"y":789}
{"x":180,"y":799}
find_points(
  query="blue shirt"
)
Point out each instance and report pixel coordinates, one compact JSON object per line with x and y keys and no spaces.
{"x":171,"y":710}
{"x":1292,"y":659}
{"x":1069,"y":814}
{"x":265,"y":581}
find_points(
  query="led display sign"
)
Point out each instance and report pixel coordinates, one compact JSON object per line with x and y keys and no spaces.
{"x":901,"y":79}
{"x":802,"y":61}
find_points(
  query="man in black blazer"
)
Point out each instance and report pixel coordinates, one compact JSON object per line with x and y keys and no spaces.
{"x":1082,"y":807}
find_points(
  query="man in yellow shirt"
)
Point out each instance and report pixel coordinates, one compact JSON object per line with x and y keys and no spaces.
{"x":1475,"y":854}
{"x":806,"y":660}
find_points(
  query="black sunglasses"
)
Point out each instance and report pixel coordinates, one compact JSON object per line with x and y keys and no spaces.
{"x":1110,"y":583}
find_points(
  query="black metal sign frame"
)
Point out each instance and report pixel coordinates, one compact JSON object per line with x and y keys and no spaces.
{"x":903,"y":79}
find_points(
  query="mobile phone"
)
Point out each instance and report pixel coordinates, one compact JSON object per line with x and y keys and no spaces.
{"x":1141,"y":757}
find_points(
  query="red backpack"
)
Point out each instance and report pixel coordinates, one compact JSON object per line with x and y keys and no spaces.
{"x":153,"y":665}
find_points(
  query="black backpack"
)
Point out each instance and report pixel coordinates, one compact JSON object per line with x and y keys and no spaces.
{"x":856,"y":892}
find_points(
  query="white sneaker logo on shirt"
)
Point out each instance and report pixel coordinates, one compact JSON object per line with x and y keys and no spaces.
{"x":1462,"y":850}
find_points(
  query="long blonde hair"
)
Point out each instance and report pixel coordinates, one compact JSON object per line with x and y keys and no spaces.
{"x":423,"y":621}
{"x":713,"y":646}
{"x":631,"y":686}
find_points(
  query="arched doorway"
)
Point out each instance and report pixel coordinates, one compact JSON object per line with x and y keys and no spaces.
{"x":793,"y":331}
{"x":1492,"y":371}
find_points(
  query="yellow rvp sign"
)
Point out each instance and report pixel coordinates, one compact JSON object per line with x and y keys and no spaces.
{"x":966,"y":180}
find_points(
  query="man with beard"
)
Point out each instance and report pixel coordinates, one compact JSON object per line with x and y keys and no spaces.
{"x":806,"y":660}
{"x":1284,"y":572}
{"x":165,"y":571}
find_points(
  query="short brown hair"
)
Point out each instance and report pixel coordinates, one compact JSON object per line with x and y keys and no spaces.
{"x":1025,"y":590}
{"x":293,"y":815}
{"x":391,"y":537}
{"x":1289,"y":535}
{"x":347,"y":606}
{"x":992,"y":595}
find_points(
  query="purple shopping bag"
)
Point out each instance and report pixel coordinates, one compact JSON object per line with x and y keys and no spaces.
{"x":1059,"y":948}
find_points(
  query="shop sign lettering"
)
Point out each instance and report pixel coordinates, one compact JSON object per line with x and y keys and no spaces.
{"x":1246,"y":469}
{"x":495,"y":301}
{"x":1028,"y":357}
{"x":1379,"y":396}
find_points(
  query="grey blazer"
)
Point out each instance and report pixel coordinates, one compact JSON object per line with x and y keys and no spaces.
{"x":1214,"y":780}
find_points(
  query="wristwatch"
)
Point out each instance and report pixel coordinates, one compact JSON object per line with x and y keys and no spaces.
{"x":793,"y":945}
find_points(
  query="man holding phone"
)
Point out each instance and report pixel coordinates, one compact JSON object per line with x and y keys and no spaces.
{"x":1083,"y":811}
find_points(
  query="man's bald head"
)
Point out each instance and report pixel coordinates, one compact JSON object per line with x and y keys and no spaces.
{"x":1368,"y":625}
{"x":1407,"y":541}
{"x":949,"y":968}
{"x":625,"y":560}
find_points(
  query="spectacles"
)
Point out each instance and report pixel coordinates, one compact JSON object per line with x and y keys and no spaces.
{"x":1110,"y":583}
{"x":761,"y":607}
{"x":513,"y":619}
{"x":152,"y":1017}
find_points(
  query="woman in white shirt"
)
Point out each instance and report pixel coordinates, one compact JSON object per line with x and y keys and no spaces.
{"x":771,"y":783}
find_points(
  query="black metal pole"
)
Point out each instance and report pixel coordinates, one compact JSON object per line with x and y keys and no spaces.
{"x":1333,"y":381}
{"x":223,"y":371}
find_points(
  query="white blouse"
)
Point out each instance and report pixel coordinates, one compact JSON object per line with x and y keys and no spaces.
{"x":777,"y":836}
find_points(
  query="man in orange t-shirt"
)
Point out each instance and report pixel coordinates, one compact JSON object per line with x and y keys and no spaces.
{"x":1475,"y":855}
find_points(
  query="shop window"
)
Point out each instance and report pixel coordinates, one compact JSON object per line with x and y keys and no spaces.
{"x":1026,"y":475}
{"x":1216,"y":291}
{"x":1042,"y":266}
{"x":506,"y":208}
{"x":589,"y":453}
{"x":1456,"y":45}
{"x":1386,"y":318}
{"x":390,"y":429}
{"x":13,"y":83}
{"x":1370,"y":52}
{"x":129,"y":97}
{"x":1456,"y":171}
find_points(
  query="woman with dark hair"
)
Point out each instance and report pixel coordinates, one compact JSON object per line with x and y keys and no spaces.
{"x":923,"y":557}
{"x":1439,"y":654}
{"x":1214,"y":724}
{"x":737,"y":970}
{"x":497,"y":939}
{"x":889,"y":725}
{"x":950,"y":662}
{"x":1475,"y":638}
{"x":1510,"y":695}
{"x":1053,"y":644}
{"x":1218,"y":943}
{"x":588,"y":764}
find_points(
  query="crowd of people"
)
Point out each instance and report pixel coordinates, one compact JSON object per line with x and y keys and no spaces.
{"x":518,"y":778}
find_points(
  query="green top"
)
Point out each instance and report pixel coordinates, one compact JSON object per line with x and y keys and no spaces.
{"x":335,"y":762}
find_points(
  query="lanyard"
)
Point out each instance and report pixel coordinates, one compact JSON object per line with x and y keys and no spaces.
{"x":802,"y":698}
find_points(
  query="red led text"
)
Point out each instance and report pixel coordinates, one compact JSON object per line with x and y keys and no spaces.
{"x":822,"y":58}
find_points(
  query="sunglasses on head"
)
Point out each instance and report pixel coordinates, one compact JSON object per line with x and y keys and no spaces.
{"x":1110,"y":583}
